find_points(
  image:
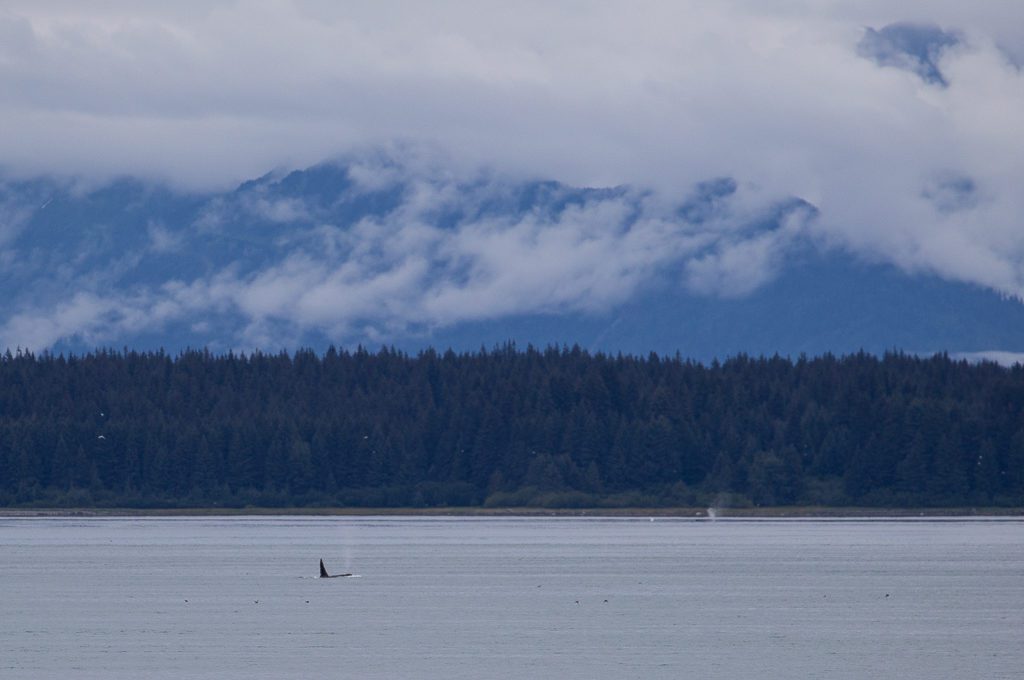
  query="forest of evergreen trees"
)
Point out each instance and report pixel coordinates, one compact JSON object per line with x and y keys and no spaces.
{"x":556,"y":427}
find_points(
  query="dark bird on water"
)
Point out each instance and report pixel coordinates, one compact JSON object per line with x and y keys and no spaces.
{"x":324,"y":574}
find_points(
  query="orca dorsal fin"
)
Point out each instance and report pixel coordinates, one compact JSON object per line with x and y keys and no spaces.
{"x":323,"y":571}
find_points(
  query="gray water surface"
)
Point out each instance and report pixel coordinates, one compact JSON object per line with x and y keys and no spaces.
{"x":510,"y":598}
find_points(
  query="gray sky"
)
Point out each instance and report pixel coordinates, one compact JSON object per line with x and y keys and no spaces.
{"x":657,"y":94}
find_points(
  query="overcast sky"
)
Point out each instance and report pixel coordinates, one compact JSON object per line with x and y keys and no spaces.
{"x":916,"y":160}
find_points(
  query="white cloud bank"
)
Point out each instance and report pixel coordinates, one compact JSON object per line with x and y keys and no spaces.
{"x":399,"y":272}
{"x":995,"y":356}
{"x":656,"y":94}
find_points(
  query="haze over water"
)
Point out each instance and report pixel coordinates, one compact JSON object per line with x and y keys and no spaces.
{"x":510,"y":598}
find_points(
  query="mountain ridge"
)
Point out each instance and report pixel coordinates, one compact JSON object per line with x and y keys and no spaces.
{"x":374,"y":253}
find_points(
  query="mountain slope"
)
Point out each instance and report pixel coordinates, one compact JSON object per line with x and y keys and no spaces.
{"x":821,"y":303}
{"x":372,"y":252}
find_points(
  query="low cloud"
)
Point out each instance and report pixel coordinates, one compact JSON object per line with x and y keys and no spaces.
{"x":278,"y":210}
{"x":401,"y":271}
{"x":995,"y":356}
{"x":162,"y":239}
{"x":85,"y":315}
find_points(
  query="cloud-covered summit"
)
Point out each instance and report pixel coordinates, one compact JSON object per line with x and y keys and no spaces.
{"x":372,"y":250}
{"x":364,"y":251}
{"x":907,"y":139}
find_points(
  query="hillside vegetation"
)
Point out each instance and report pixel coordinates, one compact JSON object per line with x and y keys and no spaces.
{"x":558,"y":427}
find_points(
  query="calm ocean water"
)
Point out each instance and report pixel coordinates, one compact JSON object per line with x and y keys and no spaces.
{"x":510,"y":598}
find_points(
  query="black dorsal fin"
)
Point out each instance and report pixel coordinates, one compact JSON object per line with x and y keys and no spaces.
{"x":323,"y":571}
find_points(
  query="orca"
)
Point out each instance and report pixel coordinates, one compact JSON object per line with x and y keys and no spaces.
{"x":324,"y":574}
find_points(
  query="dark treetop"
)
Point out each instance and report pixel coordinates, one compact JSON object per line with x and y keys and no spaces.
{"x":558,"y":427}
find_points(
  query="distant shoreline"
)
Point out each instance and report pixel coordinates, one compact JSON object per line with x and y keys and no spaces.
{"x":753,"y":513}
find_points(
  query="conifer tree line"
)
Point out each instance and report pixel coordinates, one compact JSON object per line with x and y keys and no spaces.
{"x":558,"y":427}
